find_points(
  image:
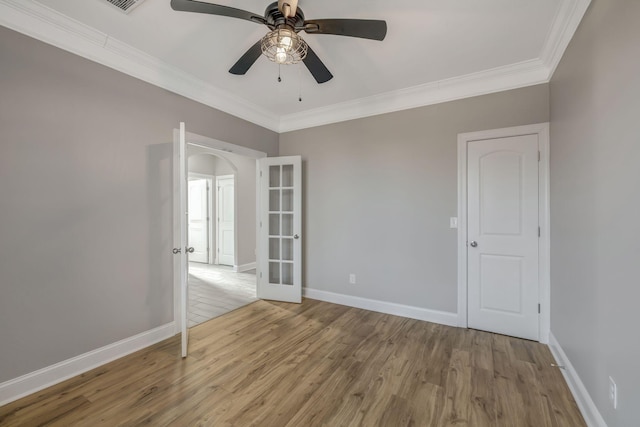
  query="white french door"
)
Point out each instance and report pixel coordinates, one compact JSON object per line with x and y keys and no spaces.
{"x":225,"y":230}
{"x":280,"y":232}
{"x":181,"y":222}
{"x":503,"y":235}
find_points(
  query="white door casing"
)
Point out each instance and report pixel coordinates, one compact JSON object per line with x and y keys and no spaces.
{"x":198,"y":208}
{"x":503,"y":252}
{"x":280,"y":232}
{"x":225,"y":217}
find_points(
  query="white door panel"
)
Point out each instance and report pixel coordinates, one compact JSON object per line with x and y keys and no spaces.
{"x":503,"y":235}
{"x":226,"y":219}
{"x":198,"y":202}
{"x":280,"y":271}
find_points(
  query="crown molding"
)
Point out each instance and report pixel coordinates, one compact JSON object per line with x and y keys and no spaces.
{"x":562,"y":30}
{"x":527,"y":73}
{"x":45,"y":24}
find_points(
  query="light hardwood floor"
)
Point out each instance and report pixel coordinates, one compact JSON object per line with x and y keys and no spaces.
{"x":314,"y":364}
{"x":216,"y":289}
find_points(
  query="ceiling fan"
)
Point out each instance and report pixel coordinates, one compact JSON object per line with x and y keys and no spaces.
{"x":282,"y":44}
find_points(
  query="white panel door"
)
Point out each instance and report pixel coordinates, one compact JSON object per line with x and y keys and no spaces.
{"x":502,"y":235}
{"x":226,"y":220}
{"x":198,"y":202}
{"x":280,"y":266}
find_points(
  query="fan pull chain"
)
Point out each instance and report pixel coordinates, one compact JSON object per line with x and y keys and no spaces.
{"x":299,"y":83}
{"x":279,"y":78}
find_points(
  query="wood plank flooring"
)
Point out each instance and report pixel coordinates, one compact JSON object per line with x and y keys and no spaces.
{"x":314,"y":364}
{"x":216,"y":289}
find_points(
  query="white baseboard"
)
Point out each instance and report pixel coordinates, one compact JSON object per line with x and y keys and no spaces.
{"x":244,"y":267}
{"x":419,"y":313}
{"x":35,"y":381}
{"x":589,"y":411}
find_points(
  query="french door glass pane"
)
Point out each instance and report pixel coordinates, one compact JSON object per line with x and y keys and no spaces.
{"x":274,"y":224}
{"x":287,"y":200}
{"x":287,"y":175}
{"x":287,"y":249}
{"x":287,"y":273}
{"x":287,"y":224}
{"x":274,"y":272}
{"x":274,"y":248}
{"x":274,"y":200}
{"x":274,"y":176}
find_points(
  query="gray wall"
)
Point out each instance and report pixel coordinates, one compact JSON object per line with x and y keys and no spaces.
{"x":209,"y":164}
{"x":379,"y":191}
{"x":595,"y":205}
{"x":245,"y":190}
{"x":86,"y":201}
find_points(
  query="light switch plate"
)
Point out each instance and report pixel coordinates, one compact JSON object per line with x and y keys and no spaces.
{"x":453,"y":222}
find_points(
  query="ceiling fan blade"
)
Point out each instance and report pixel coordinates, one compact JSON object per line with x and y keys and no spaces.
{"x":246,"y":61}
{"x":216,"y":9}
{"x":363,"y":28}
{"x":316,"y":67}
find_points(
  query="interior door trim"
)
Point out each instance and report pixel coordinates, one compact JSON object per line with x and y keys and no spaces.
{"x":542,"y":130}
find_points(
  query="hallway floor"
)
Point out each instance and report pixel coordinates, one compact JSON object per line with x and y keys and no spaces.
{"x":216,"y":289}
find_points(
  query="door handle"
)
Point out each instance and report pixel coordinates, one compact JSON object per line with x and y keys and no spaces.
{"x":190,"y":250}
{"x":473,"y":243}
{"x":295,"y":236}
{"x":176,"y":251}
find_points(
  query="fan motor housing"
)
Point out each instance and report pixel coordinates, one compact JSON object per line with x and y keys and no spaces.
{"x":275,"y":18}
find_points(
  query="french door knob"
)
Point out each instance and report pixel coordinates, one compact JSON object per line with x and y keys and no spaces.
{"x":295,"y":236}
{"x":473,"y":243}
{"x":176,"y":251}
{"x":190,"y":250}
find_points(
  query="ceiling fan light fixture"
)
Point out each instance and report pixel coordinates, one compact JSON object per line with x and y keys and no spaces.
{"x":284,"y":46}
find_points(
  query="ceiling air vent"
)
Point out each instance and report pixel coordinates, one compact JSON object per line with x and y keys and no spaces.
{"x":125,"y":5}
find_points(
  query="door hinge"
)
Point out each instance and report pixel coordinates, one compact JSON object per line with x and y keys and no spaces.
{"x":538,"y":308}
{"x":260,"y":224}
{"x":261,"y":174}
{"x":539,"y":156}
{"x":538,"y":231}
{"x":261,"y":274}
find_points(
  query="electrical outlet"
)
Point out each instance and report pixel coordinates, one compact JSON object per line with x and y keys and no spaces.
{"x":613,"y":393}
{"x":352,"y":279}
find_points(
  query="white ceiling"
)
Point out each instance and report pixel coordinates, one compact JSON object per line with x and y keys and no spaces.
{"x":435,"y":50}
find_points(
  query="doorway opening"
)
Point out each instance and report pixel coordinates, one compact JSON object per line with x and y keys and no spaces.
{"x":221,"y":196}
{"x":276,"y":209}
